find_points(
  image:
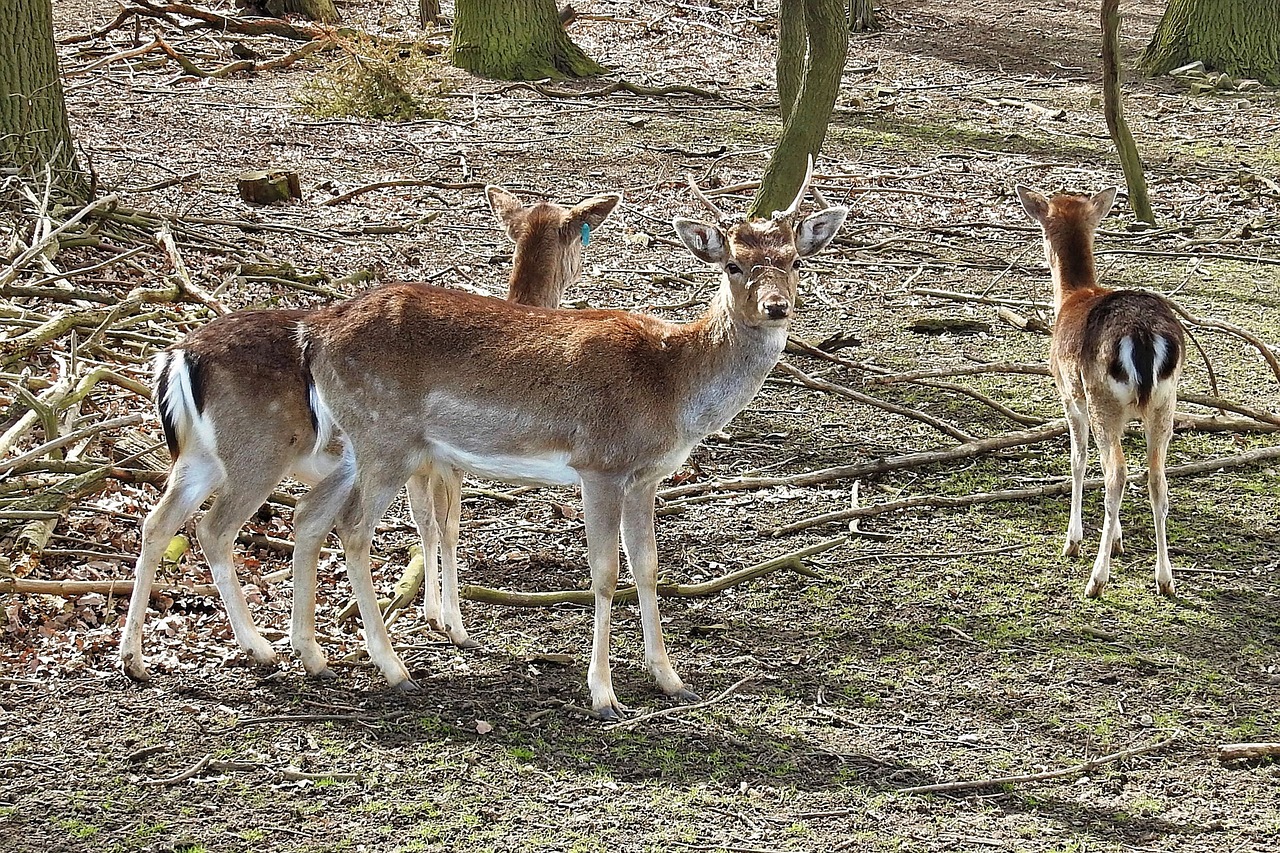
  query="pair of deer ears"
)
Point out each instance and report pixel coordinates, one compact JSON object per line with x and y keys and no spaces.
{"x":1037,"y":206}
{"x":709,"y":243}
{"x":591,"y":212}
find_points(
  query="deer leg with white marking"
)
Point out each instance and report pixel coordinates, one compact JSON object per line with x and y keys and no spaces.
{"x":602,"y":511}
{"x":422,"y":510}
{"x":217,"y":534}
{"x":190,"y":482}
{"x":641,"y":545}
{"x":313,"y":518}
{"x":1078,"y":426}
{"x":1109,"y":430}
{"x":376,"y":486}
{"x":447,"y":482}
{"x":1159,"y":429}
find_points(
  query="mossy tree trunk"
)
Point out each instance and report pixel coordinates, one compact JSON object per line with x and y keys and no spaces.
{"x":1240,"y":37}
{"x":813,"y":41}
{"x":516,"y":40}
{"x":1113,"y":109}
{"x":34,"y":131}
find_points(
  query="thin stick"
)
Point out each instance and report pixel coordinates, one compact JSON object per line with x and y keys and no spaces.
{"x":1077,"y":770}
{"x":1233,"y":329}
{"x":193,"y":770}
{"x":72,"y":438}
{"x":681,"y":709}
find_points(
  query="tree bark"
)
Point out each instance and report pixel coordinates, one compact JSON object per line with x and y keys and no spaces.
{"x":1240,"y":37}
{"x":516,"y":40}
{"x":34,"y":131}
{"x":862,"y":16}
{"x":1113,"y":109}
{"x":825,"y":35}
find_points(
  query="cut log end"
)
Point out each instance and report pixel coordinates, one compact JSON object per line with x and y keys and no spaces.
{"x":269,"y":187}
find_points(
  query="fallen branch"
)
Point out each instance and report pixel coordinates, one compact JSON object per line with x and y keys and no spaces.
{"x":866,"y":399}
{"x":681,"y":709}
{"x":1062,"y":487}
{"x":1077,"y":770}
{"x":1244,"y":751}
{"x":790,"y":560}
{"x":1232,"y":329}
{"x":966,"y":450}
{"x":401,"y":182}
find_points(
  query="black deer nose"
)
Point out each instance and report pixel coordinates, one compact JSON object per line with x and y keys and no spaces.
{"x":777,"y":310}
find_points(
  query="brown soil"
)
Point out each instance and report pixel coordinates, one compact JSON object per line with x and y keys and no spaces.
{"x":941,"y":645}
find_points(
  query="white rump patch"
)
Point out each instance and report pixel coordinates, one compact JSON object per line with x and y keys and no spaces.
{"x":1162,"y":355}
{"x":180,"y":404}
{"x":1125,"y":357}
{"x":326,"y":426}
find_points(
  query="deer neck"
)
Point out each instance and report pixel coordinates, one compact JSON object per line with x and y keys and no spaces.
{"x":1071,"y":265}
{"x":722,"y":363}
{"x":540,"y":274}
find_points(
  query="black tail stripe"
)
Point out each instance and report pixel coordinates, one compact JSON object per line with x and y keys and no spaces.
{"x":309,"y":382}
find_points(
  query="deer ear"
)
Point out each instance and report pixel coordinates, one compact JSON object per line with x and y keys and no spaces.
{"x":705,"y":241}
{"x":816,"y":231}
{"x":505,"y":206}
{"x":1101,"y":204}
{"x":594,"y":211}
{"x":1036,"y":205}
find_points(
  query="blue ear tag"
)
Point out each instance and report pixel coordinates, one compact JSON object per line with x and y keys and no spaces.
{"x":586,"y":235}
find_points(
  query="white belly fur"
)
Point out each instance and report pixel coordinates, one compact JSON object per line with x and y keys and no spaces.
{"x":551,"y":469}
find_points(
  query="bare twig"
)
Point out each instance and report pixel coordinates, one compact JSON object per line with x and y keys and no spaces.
{"x":193,"y":770}
{"x":1076,"y":770}
{"x":681,"y":709}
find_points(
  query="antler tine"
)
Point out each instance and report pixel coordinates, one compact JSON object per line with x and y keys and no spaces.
{"x":819,"y":197}
{"x":700,"y":196}
{"x":795,"y":204}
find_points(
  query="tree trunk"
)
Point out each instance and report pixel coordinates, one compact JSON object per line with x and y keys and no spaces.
{"x":1113,"y":109}
{"x":429,"y":13}
{"x":825,"y":30}
{"x":516,"y":40}
{"x":34,"y":131}
{"x":862,"y":16}
{"x":1240,"y":37}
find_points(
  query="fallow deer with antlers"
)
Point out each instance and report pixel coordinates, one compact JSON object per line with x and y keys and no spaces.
{"x":422,"y":378}
{"x":233,"y":400}
{"x":1115,"y":355}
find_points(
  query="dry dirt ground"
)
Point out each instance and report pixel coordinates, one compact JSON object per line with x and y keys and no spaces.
{"x":941,"y":644}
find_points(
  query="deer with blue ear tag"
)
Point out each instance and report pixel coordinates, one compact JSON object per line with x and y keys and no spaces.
{"x":233,"y":401}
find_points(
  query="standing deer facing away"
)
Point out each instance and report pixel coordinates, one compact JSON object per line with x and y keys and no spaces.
{"x":422,"y":378}
{"x":1115,"y":355}
{"x":233,"y":399}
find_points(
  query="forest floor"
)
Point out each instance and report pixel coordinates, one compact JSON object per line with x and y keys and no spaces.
{"x":938,"y":644}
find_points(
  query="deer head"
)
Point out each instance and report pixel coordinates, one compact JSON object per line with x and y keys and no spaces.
{"x":760,"y":258}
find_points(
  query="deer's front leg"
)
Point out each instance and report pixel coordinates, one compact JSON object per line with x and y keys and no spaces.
{"x":642,"y":556}
{"x":602,"y":510}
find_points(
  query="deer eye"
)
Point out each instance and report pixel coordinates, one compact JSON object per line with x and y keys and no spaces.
{"x":795,"y":265}
{"x":732,"y":269}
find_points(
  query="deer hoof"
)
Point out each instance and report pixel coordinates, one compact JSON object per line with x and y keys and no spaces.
{"x":135,"y":669}
{"x":687,"y":696}
{"x":1071,"y":549}
{"x":325,"y":674}
{"x":1094,"y":589}
{"x":408,"y":686}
